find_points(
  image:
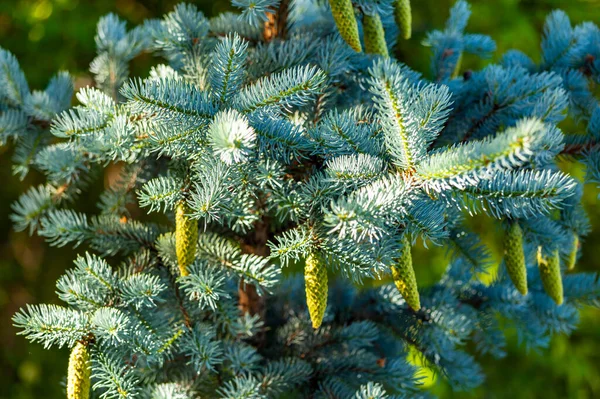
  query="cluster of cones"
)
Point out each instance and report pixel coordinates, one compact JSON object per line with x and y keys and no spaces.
{"x":315,"y":278}
{"x":374,"y":35}
{"x":548,"y":263}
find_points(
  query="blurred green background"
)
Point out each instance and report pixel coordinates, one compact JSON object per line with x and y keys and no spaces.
{"x":49,"y":35}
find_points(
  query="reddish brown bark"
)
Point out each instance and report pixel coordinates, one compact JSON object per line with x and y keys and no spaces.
{"x":249,"y":300}
{"x":276,"y":24}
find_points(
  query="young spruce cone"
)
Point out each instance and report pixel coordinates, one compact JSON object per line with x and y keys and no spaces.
{"x":315,"y":278}
{"x":403,"y":17}
{"x":78,"y":376}
{"x":404,"y":277}
{"x":186,"y":237}
{"x":374,"y":35}
{"x":550,"y":275}
{"x":514,"y":257}
{"x":343,"y":14}
{"x":573,"y":254}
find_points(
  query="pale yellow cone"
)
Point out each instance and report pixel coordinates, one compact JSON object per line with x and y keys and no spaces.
{"x":404,"y":277}
{"x":403,"y":17}
{"x":345,"y":20}
{"x":79,"y":372}
{"x":550,"y":275}
{"x":374,"y":35}
{"x":315,"y":278}
{"x":186,"y":237}
{"x":514,"y":257}
{"x":573,"y":254}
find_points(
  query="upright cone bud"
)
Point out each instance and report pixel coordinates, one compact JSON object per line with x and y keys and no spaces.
{"x":573,"y":254}
{"x":550,"y":275}
{"x":457,"y":66}
{"x":514,"y":257}
{"x":374,"y":35}
{"x":343,"y":14}
{"x":403,"y":17}
{"x":404,"y":276}
{"x":186,"y":237}
{"x":79,"y":373}
{"x":315,"y":278}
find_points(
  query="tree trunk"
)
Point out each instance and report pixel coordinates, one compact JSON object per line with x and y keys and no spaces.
{"x":276,"y":24}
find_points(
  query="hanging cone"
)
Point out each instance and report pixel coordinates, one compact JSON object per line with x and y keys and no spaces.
{"x":79,"y":373}
{"x":374,"y":35}
{"x":514,"y":257}
{"x":550,"y":275}
{"x":315,"y":278}
{"x":403,"y":17}
{"x":573,"y":254}
{"x":404,"y":277}
{"x":343,"y":14}
{"x":186,"y":237}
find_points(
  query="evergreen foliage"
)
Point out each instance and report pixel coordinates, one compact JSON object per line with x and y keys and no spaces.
{"x":268,"y":152}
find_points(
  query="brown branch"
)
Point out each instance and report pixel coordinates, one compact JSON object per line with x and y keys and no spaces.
{"x":249,"y":300}
{"x":319,"y":106}
{"x":480,"y":123}
{"x":578,"y":149}
{"x":186,"y":316}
